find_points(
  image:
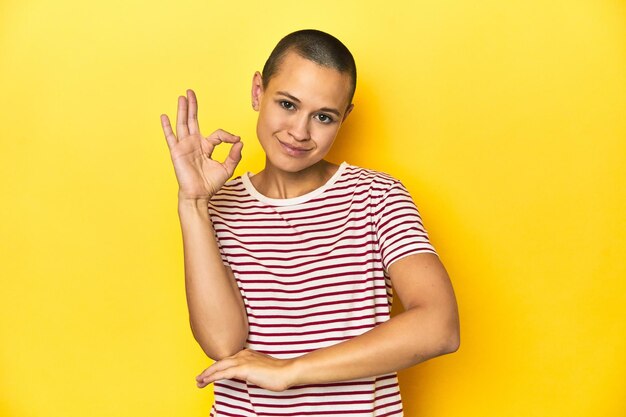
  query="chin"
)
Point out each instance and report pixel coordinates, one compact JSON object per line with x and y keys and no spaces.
{"x":292,"y":165}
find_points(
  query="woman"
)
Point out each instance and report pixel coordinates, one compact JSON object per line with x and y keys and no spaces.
{"x":289,"y":271}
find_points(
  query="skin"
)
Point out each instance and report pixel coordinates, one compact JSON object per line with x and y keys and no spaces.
{"x":300,"y":114}
{"x":216,"y":311}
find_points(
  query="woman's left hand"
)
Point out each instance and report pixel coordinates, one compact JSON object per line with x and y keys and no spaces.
{"x":253,"y":367}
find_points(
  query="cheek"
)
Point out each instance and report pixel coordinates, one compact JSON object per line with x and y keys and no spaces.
{"x":272,"y":120}
{"x":325,"y":135}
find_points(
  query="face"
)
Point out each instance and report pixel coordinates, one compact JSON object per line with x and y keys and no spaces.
{"x":300,"y":112}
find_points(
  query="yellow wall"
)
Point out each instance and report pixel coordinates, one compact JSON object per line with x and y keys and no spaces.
{"x":505,"y":119}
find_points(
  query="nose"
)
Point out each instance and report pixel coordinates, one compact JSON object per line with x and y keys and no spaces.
{"x":299,"y":127}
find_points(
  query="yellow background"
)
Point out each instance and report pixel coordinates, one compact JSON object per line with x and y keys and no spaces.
{"x":505,"y":119}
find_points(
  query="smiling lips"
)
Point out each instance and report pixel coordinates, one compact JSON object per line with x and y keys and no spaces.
{"x":294,"y":150}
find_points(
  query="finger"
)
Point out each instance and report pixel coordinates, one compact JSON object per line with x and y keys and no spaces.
{"x":217,"y":137}
{"x":167,"y":130}
{"x":217,"y":366}
{"x":230,"y":373}
{"x":208,"y":146}
{"x":223,"y":136}
{"x":233,"y":158}
{"x":192,"y":117}
{"x":206,"y":378}
{"x":209,"y":143}
{"x":181,"y":118}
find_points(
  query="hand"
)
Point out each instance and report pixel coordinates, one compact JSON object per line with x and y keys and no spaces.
{"x":199,"y":176}
{"x":253,"y":367}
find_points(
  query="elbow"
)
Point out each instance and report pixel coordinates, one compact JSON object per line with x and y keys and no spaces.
{"x":447,"y":345}
{"x":452,"y":339}
{"x":453,"y":343}
{"x":218,"y":347}
{"x":223,"y":352}
{"x":448,"y":338}
{"x":452,"y":335}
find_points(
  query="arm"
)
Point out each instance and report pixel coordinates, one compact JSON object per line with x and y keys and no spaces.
{"x":428,"y":327}
{"x":216,"y":311}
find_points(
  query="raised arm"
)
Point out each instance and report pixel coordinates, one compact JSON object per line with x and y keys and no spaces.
{"x":428,"y":327}
{"x":216,"y":311}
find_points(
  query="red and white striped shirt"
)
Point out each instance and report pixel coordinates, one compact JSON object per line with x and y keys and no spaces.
{"x":312,"y":271}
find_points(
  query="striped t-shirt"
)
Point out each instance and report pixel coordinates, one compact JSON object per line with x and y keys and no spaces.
{"x":312,"y":271}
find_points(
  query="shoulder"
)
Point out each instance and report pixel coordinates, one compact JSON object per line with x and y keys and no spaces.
{"x":370,"y":175}
{"x":378,"y":182}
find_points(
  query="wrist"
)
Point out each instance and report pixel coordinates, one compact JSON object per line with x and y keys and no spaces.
{"x":193,"y":202}
{"x":189,"y":208}
{"x":295,"y":372}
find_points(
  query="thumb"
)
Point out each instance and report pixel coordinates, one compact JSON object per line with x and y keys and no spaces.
{"x":233,"y":158}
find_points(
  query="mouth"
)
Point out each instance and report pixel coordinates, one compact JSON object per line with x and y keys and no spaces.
{"x":293,"y":150}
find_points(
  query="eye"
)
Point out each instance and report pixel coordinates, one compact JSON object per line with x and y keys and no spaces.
{"x":324,"y":118}
{"x":288,"y":105}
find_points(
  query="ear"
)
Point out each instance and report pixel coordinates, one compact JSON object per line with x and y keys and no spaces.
{"x":257,"y":90}
{"x":348,"y":110}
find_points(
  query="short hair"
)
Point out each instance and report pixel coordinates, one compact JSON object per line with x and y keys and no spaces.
{"x":314,"y":45}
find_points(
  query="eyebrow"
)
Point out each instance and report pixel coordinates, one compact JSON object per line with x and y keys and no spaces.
{"x":297,"y":100}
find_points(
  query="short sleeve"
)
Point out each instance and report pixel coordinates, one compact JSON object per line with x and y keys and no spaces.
{"x":399,"y":227}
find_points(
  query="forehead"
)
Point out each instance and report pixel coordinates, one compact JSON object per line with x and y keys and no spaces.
{"x":310,"y":82}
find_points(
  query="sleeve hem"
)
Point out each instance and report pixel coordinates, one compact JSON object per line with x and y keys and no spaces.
{"x":409,"y":253}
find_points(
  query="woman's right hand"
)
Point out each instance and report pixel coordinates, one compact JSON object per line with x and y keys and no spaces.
{"x":199,"y":177}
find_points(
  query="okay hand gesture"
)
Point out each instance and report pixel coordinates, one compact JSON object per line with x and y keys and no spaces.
{"x":199,"y":177}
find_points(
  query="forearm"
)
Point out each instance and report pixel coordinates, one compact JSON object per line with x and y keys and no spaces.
{"x":216,"y":312}
{"x":428,"y":328}
{"x":409,"y":338}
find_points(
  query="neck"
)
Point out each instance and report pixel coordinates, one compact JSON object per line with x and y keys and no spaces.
{"x":274,"y":183}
